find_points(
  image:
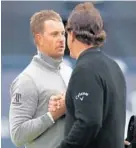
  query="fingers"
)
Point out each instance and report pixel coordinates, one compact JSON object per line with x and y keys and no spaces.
{"x":52,"y":106}
{"x":57,"y":97}
{"x":127,"y":142}
{"x":52,"y":109}
{"x":55,"y":102}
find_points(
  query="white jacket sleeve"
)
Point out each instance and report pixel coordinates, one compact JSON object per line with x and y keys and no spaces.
{"x":24,"y":100}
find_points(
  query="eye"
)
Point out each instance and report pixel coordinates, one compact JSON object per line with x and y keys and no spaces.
{"x":55,"y":34}
{"x":64,"y":33}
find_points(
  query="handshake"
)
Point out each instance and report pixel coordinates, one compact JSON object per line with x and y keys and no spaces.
{"x":57,"y":106}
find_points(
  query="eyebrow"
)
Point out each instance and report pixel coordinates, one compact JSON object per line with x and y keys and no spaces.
{"x":55,"y":32}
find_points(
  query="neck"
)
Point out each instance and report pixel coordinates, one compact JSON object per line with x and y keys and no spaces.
{"x":41,"y":51}
{"x":55,"y":63}
{"x":80,"y":47}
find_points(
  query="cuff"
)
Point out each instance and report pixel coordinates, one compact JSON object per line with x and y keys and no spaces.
{"x":50,"y":116}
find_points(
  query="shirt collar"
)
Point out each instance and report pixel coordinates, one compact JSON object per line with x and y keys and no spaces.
{"x":89,"y":50}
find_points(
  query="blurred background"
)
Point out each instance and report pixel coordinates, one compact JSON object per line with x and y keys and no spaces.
{"x":17,"y":47}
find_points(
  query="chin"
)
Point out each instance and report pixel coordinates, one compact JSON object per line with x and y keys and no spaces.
{"x":60,"y":54}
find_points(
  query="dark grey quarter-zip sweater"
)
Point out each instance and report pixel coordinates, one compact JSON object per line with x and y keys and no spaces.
{"x":30,"y":124}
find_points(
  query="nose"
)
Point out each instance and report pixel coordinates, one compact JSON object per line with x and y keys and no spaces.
{"x":61,"y":38}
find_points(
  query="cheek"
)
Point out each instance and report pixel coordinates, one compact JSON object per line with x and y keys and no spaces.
{"x":48,"y":41}
{"x":69,"y":42}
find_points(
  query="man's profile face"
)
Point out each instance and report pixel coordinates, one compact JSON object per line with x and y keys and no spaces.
{"x":53,"y":39}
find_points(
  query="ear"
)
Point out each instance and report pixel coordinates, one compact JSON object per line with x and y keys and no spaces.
{"x":38,"y":39}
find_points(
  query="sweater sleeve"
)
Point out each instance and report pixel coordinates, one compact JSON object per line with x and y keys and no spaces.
{"x":87,"y":95}
{"x":24,"y":100}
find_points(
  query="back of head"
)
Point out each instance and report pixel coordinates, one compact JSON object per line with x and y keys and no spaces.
{"x":87,"y":25}
{"x":84,"y":6}
{"x":38,"y":19}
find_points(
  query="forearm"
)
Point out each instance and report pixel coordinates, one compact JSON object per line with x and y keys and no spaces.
{"x":24,"y":132}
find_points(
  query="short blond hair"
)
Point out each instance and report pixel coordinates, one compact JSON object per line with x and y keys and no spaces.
{"x":38,"y":19}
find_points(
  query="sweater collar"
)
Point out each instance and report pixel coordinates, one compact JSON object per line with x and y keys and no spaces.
{"x":49,"y":61}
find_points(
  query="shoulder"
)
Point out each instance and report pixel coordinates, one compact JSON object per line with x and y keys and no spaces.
{"x":83,"y":68}
{"x":22,"y":81}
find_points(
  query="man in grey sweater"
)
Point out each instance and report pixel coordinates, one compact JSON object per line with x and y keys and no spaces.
{"x":31,"y":123}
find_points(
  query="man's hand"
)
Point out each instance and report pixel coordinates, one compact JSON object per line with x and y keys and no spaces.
{"x":56,"y":106}
{"x":126,"y":142}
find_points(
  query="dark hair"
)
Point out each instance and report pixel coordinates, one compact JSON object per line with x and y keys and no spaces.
{"x":87,"y":25}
